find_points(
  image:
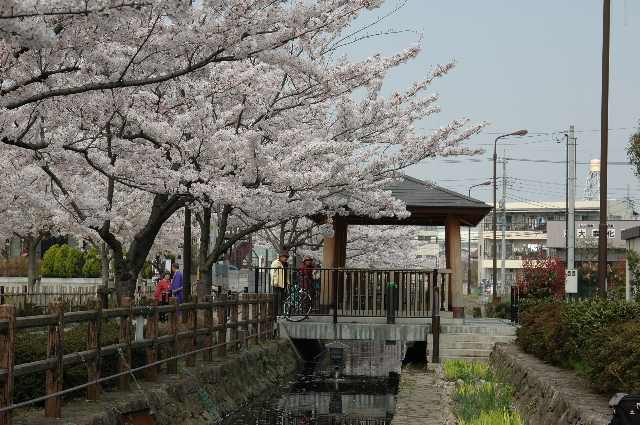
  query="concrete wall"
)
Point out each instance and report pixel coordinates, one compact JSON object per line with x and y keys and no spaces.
{"x":195,"y":396}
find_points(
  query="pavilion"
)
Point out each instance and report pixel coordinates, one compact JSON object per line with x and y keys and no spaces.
{"x":429,"y":205}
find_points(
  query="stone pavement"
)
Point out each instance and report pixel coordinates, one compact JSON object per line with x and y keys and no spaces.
{"x":423,"y":398}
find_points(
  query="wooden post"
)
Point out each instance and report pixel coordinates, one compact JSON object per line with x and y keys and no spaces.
{"x":253,"y":329}
{"x":435,"y":329}
{"x":454,"y":294}
{"x":172,"y":366}
{"x":266,"y":328}
{"x":193,"y":326}
{"x":235,"y":331}
{"x":151,"y":373}
{"x":94,"y":342}
{"x":222,"y":333}
{"x":270,"y":320}
{"x":55,"y":349}
{"x":125,"y":338}
{"x":209,"y":323}
{"x":7,"y":359}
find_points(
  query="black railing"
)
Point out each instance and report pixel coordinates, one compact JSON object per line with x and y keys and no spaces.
{"x":363,"y":292}
{"x":515,"y":304}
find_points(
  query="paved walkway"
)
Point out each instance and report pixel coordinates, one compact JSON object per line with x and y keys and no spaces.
{"x":422,"y":399}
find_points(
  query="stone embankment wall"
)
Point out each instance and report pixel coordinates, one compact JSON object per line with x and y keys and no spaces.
{"x":547,"y":395}
{"x":200,"y":395}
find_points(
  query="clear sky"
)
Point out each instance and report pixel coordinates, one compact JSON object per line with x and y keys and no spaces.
{"x":521,"y":64}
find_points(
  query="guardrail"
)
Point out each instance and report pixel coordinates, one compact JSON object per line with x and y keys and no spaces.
{"x":221,"y":326}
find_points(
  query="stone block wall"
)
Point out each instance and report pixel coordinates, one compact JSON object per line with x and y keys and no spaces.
{"x":547,"y":395}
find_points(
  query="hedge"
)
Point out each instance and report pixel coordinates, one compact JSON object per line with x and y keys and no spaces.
{"x":68,"y":261}
{"x":599,"y":338}
{"x":32,"y":346}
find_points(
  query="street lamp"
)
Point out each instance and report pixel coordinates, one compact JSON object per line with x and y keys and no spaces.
{"x":487,"y":183}
{"x":495,"y":210}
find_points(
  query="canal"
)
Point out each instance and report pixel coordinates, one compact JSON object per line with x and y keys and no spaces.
{"x":347,"y":382}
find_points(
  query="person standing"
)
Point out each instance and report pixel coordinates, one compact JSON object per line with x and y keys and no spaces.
{"x":162,"y":293}
{"x":279,"y":280}
{"x":176,"y":283}
{"x":163,"y":287}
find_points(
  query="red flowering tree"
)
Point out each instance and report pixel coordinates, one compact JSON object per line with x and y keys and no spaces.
{"x":542,"y":277}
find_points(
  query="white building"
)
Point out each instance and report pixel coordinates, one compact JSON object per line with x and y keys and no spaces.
{"x":527,"y":228}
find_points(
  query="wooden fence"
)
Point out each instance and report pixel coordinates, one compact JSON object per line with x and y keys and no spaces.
{"x":211,"y":326}
{"x":74,"y":298}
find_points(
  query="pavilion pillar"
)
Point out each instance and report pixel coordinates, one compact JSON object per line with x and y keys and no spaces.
{"x":334,"y":256}
{"x":453,"y":252}
{"x":334,"y":253}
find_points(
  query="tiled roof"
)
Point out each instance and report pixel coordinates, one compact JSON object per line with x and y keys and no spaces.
{"x":418,"y":193}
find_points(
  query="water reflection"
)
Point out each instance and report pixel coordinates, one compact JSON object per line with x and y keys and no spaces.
{"x":349,"y":383}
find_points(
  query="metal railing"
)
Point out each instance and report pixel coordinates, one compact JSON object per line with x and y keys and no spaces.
{"x":516,"y":227}
{"x":363,"y":292}
{"x":515,"y":304}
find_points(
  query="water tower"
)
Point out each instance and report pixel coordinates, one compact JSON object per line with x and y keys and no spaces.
{"x":592,"y":187}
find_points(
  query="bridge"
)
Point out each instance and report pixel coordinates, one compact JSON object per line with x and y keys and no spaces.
{"x":388,"y":305}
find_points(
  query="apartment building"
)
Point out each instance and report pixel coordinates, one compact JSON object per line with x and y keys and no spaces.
{"x":534,"y":227}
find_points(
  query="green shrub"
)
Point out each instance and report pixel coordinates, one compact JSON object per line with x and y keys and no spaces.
{"x":612,"y":357}
{"x":495,"y":417}
{"x":598,"y":338}
{"x":584,"y":318}
{"x":32,"y":346}
{"x":477,"y":312}
{"x":498,"y":311}
{"x":62,"y":261}
{"x":92,"y":264}
{"x":543,"y":333}
{"x":147,"y":270}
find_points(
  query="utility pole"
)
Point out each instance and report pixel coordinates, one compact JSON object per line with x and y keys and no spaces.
{"x":503,"y":254}
{"x":604,"y":148}
{"x":571,"y":198}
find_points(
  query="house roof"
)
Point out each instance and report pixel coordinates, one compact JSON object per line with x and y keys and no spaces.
{"x":429,"y":204}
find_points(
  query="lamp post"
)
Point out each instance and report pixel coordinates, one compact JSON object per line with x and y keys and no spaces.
{"x":495,"y":210}
{"x":487,"y":183}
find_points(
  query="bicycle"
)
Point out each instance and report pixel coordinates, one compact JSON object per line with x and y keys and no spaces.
{"x":297,"y":305}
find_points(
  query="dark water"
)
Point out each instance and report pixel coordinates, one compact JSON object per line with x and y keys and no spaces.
{"x":348,"y":383}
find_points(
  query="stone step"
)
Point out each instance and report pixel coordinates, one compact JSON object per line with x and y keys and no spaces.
{"x":470,"y":340}
{"x":464,"y":352}
{"x":466,"y":358}
{"x":472,"y":337}
{"x":445,"y":345}
{"x":478,"y":329}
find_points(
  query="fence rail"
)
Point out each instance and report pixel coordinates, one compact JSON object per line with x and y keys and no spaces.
{"x":362,"y":292}
{"x":223,"y":325}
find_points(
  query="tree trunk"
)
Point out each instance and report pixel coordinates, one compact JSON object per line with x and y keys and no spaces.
{"x":104,"y":257}
{"x":129,"y":264}
{"x":203,"y":250}
{"x":186,"y":255}
{"x":32,"y":247}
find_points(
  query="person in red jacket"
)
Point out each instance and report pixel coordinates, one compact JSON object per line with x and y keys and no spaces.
{"x":163,"y":288}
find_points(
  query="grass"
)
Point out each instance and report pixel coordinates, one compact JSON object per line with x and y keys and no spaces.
{"x":495,"y":417}
{"x":467,"y":371}
{"x":479,"y":398}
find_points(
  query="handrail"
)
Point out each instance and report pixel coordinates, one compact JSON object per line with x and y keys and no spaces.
{"x":257,"y":320}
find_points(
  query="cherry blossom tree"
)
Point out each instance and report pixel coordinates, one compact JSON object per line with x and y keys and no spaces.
{"x":79,"y":82}
{"x":236,"y":107}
